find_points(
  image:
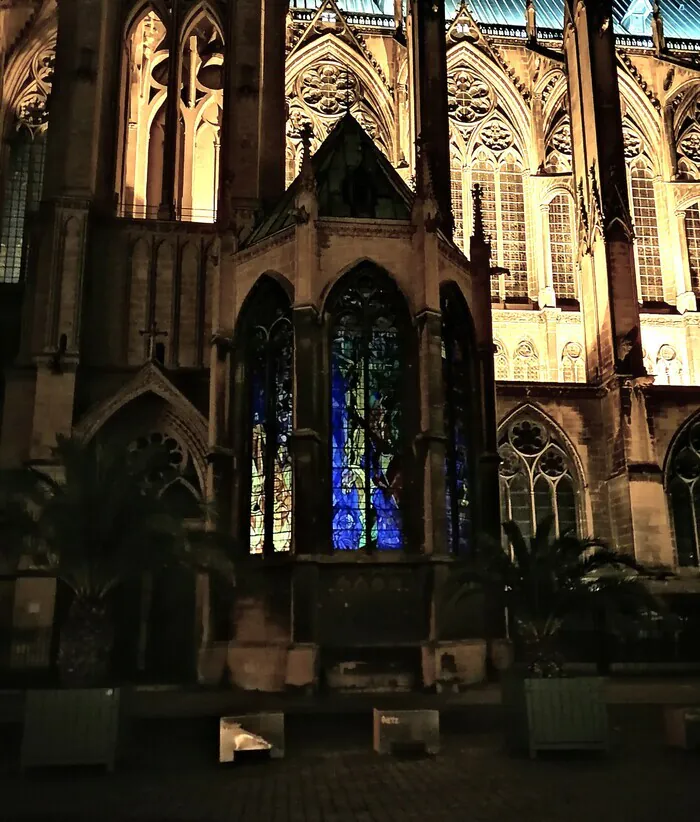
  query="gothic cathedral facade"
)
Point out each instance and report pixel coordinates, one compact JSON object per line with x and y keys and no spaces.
{"x":380,"y":275}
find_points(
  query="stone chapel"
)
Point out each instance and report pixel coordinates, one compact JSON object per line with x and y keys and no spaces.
{"x":380,"y":274}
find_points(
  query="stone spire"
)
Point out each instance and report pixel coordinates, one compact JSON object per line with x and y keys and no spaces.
{"x":530,"y":22}
{"x":657,"y":29}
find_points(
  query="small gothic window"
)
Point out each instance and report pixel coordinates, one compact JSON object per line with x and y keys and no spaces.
{"x":692,"y":233}
{"x":458,"y":389}
{"x":526,"y":363}
{"x":269,"y":382}
{"x":684,"y":494}
{"x":561,"y":243}
{"x":24,"y":177}
{"x":573,"y":368}
{"x":537,"y":477}
{"x":368,"y":369}
{"x":500,"y":361}
{"x":646,"y":234}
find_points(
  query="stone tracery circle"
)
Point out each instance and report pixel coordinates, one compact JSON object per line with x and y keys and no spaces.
{"x":469,"y":97}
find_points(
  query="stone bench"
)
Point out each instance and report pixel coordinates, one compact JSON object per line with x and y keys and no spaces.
{"x":404,"y":731}
{"x":251,"y":732}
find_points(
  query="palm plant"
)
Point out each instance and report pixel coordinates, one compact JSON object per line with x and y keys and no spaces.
{"x":544,"y":581}
{"x":97,"y":519}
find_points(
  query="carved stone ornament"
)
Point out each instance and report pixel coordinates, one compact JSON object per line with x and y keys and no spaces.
{"x":32,"y":108}
{"x":469,"y":97}
{"x":667,"y":353}
{"x":329,"y":88}
{"x":561,"y":138}
{"x":298,"y":122}
{"x":573,"y":350}
{"x":496,"y":135}
{"x":632,"y":142}
{"x":690,"y":145}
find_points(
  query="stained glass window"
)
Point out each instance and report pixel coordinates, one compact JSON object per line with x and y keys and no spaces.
{"x":537,"y":477}
{"x":24,"y":175}
{"x":684,"y":494}
{"x":647,"y":234}
{"x":270,"y":384}
{"x":366,"y":414}
{"x":692,"y":232}
{"x":561,"y":244}
{"x":458,"y":388}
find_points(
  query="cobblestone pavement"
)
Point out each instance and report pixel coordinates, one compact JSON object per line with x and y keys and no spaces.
{"x":331,"y":775}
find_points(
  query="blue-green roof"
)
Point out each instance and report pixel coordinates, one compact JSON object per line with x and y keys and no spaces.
{"x":681,"y":17}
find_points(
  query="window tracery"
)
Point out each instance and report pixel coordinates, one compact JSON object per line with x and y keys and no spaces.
{"x":501,"y":361}
{"x":469,"y":97}
{"x":683,"y":488}
{"x":367,"y":412}
{"x":692,"y":235}
{"x":558,"y":146}
{"x":573,"y":367}
{"x":669,"y":368}
{"x":526,"y":362}
{"x":538,"y":479}
{"x":24,"y":172}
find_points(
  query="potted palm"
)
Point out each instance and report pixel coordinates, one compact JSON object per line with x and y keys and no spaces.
{"x":544,"y":582}
{"x":95,"y":518}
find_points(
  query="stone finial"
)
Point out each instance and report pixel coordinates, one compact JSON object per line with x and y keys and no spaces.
{"x":478,"y":229}
{"x":530,"y":21}
{"x":657,"y":29}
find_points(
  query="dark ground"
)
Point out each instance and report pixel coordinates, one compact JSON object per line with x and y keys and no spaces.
{"x":330,"y":774}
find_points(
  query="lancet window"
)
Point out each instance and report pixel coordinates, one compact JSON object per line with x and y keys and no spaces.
{"x":269,"y":367}
{"x":692,"y":233}
{"x":562,"y":233}
{"x":458,"y":388}
{"x":368,"y":328}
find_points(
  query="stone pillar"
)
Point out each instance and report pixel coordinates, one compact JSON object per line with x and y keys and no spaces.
{"x":551,"y":316}
{"x":168,"y":205}
{"x":601,"y":180}
{"x":252,"y":157}
{"x":547,"y":296}
{"x":77,"y":180}
{"x":429,"y":65}
{"x":431,"y":447}
{"x":685,"y":296}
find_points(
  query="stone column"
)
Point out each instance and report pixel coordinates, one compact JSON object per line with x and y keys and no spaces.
{"x":685,"y":296}
{"x":432,"y":442}
{"x":547,"y":295}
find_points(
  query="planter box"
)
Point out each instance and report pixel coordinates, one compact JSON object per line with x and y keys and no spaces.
{"x":397,"y":730}
{"x":556,"y":714}
{"x":683,"y":727}
{"x":71,"y":727}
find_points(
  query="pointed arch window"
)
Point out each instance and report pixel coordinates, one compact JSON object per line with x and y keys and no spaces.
{"x":145,"y":68}
{"x":22,"y":188}
{"x":537,"y":477}
{"x":692,"y":233}
{"x":526,"y":363}
{"x":369,"y":356}
{"x":646,"y":232}
{"x":503,"y":206}
{"x":683,"y":488}
{"x":269,"y":378}
{"x":562,"y":233}
{"x":458,"y":387}
{"x":500,"y":361}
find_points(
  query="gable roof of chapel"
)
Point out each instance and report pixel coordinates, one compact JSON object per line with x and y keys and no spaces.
{"x":354,"y":179}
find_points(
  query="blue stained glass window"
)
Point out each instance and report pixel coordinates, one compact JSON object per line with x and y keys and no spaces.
{"x":366,"y":417}
{"x":457,"y":390}
{"x":270,"y":382}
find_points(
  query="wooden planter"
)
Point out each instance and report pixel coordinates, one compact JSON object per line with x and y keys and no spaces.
{"x":71,"y":727}
{"x":556,"y":714}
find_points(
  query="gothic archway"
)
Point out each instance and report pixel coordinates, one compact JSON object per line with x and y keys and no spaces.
{"x":683,"y":489}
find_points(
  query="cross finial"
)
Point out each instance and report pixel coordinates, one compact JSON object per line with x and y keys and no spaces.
{"x":152,"y":333}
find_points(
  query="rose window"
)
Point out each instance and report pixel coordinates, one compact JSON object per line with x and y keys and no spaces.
{"x":329,"y":88}
{"x":469,"y":98}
